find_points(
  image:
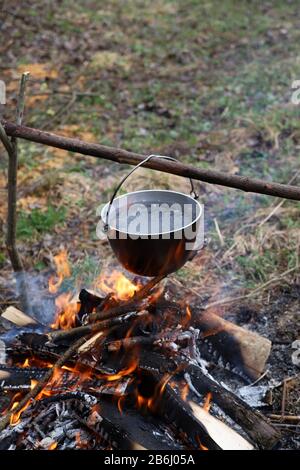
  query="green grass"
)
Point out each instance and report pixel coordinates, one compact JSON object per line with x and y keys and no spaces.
{"x":38,"y":222}
{"x":214,"y":68}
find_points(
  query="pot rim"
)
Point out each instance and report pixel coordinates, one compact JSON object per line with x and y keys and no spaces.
{"x":103,"y":213}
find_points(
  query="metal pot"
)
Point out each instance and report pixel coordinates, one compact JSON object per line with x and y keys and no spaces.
{"x":153,"y":232}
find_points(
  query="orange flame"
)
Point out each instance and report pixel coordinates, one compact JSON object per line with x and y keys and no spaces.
{"x":187,"y":319}
{"x":15,"y":417}
{"x":145,"y":402}
{"x":122,"y":373}
{"x":66,"y":311}
{"x":202,"y":447}
{"x":62,"y":271}
{"x":188,"y":313}
{"x":207,"y":402}
{"x":118,"y":284}
{"x":120,"y":403}
{"x":26,"y":363}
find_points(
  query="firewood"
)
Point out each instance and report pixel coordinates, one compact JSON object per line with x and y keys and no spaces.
{"x":18,"y":317}
{"x":142,"y":434}
{"x":70,"y":335}
{"x":2,"y":353}
{"x":253,"y":422}
{"x":137,"y":302}
{"x":167,"y":404}
{"x":40,"y":385}
{"x":242,"y":348}
{"x":226,"y":437}
{"x":10,"y":376}
{"x":127,"y":343}
{"x":90,"y":343}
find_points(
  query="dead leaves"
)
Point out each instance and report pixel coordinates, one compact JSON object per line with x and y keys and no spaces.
{"x":38,"y":70}
{"x":74,"y":130}
{"x":109,"y":60}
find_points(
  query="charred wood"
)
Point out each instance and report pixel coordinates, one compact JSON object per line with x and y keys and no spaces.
{"x":254,"y":423}
{"x":78,"y":332}
{"x":244,"y":349}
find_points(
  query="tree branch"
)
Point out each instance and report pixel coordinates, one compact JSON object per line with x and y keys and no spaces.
{"x":243,"y":183}
{"x":5,"y":140}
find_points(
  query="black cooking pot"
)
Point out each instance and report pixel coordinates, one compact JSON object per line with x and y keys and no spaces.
{"x":153,"y":232}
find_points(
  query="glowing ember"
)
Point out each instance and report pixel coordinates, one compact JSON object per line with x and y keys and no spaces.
{"x":118,"y":284}
{"x":33,"y":383}
{"x":52,"y":446}
{"x":202,"y":447}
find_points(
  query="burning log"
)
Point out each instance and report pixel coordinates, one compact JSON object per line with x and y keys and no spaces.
{"x":199,"y":429}
{"x":169,"y":405}
{"x":89,"y":302}
{"x":240,"y":347}
{"x":16,"y":376}
{"x":40,"y":385}
{"x":142,"y":434}
{"x":135,"y":303}
{"x":72,"y":334}
{"x":131,"y":342}
{"x":223,"y":435}
{"x":122,"y":156}
{"x":254,"y":423}
{"x":45,"y":420}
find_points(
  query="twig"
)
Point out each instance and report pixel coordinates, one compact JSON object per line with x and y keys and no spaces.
{"x":289,"y":418}
{"x":259,"y":378}
{"x":130,"y":342}
{"x":144,"y":291}
{"x":12,"y":149}
{"x":69,"y":335}
{"x":41,"y":385}
{"x":229,"y":300}
{"x":219,"y":232}
{"x":275,"y":208}
{"x":284,"y":397}
{"x":123,"y":156}
{"x":249,"y":225}
{"x":63,"y":111}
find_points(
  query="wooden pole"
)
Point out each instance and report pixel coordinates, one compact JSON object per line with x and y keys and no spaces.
{"x":243,"y":183}
{"x":12,"y":150}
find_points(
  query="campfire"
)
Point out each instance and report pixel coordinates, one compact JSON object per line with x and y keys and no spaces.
{"x":123,"y":366}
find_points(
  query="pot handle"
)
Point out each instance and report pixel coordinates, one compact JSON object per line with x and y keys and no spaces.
{"x":193,"y":192}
